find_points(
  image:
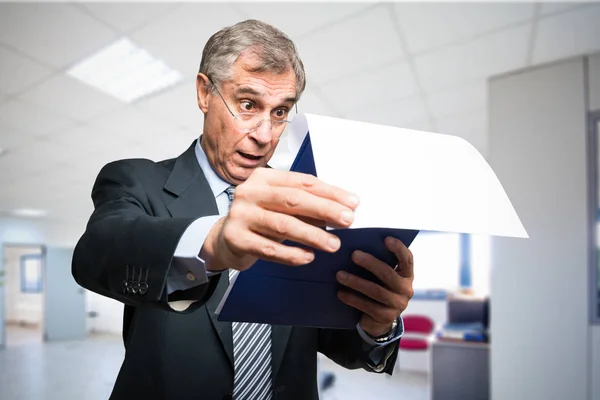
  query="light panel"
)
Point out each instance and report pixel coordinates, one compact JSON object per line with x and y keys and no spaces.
{"x":125,"y":71}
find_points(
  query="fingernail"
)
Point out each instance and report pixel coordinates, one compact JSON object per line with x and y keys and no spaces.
{"x":309,"y":257}
{"x":353,"y":200}
{"x":343,"y":275}
{"x":334,"y":243}
{"x":358,"y":255}
{"x":347,"y":217}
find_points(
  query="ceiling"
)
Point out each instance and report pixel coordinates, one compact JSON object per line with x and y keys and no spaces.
{"x":414,"y":65}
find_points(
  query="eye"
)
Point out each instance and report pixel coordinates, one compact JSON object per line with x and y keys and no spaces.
{"x":247,"y":106}
{"x":280,"y":113}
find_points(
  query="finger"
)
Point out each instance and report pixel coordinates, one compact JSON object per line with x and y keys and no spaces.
{"x":384,"y":272}
{"x":308,"y":183}
{"x":250,"y":243}
{"x":380,"y":313}
{"x":294,"y":201}
{"x":282,"y":226}
{"x":369,"y":289}
{"x":404,"y":256}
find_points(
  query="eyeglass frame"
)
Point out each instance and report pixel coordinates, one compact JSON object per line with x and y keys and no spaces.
{"x":235,"y":117}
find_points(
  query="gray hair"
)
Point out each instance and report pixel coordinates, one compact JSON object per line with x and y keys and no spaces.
{"x":275,"y":49}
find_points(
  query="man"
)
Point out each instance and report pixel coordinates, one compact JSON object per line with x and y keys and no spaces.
{"x":165,"y":238}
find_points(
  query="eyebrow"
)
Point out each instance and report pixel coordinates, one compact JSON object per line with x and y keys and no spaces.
{"x":248,"y":90}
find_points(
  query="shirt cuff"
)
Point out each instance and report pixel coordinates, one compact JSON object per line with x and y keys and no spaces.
{"x":187,"y":268}
{"x":369,"y":340}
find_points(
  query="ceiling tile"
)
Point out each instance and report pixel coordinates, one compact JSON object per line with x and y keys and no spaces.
{"x":18,"y":73}
{"x":127,"y":17}
{"x":178,"y":105}
{"x":31,"y":118}
{"x":420,"y":125}
{"x":11,"y":138}
{"x":312,"y":102}
{"x":392,"y":113}
{"x":297,"y":19}
{"x":178,"y":39}
{"x":458,"y":99}
{"x":83,"y":140}
{"x":71,"y":98}
{"x":132,"y":126}
{"x":377,"y":85}
{"x":31,"y":159}
{"x":471,"y":126}
{"x":554,"y":8}
{"x":568,"y":34}
{"x":350,"y":47}
{"x":56,"y":34}
{"x":478,"y":59}
{"x":431,"y":25}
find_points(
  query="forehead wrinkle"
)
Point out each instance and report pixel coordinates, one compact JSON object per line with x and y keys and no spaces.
{"x":260,"y":94}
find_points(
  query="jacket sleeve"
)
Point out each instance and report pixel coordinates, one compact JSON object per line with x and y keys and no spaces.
{"x":348,"y":349}
{"x":125,"y":252}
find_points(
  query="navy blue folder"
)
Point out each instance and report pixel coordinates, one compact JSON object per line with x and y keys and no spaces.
{"x":306,"y":296}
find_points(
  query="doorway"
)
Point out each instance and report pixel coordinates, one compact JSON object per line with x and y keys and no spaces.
{"x":23,"y":283}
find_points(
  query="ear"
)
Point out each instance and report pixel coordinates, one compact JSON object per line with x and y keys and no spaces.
{"x":202,"y":84}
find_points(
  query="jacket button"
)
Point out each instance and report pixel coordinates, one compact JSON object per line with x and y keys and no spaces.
{"x":143,"y":288}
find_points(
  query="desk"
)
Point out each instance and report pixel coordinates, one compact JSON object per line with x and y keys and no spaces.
{"x":459,"y":370}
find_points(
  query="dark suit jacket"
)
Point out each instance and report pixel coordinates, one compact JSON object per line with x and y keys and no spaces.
{"x":141,"y":210}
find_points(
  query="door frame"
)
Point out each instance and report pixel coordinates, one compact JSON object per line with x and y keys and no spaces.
{"x":3,"y":246}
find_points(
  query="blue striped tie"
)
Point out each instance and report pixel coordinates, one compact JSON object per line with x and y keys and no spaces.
{"x":251,"y":353}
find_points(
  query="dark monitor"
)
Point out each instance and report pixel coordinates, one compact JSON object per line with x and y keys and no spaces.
{"x":468,"y":311}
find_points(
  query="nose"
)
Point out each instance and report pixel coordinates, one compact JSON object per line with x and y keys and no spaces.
{"x":263,"y":134}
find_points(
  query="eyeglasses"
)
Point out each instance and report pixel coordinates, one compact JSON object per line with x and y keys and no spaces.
{"x":249,"y":122}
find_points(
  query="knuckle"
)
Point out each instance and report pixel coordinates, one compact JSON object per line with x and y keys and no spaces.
{"x":268,"y":251}
{"x":291,"y":200}
{"x":281,"y":226}
{"x":307,"y":181}
{"x":389,"y":274}
{"x":379,"y":292}
{"x":411,"y":259}
{"x":234,"y":212}
{"x":403,"y":303}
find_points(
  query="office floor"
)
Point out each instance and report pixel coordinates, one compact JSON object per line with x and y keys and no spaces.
{"x":86,"y":370}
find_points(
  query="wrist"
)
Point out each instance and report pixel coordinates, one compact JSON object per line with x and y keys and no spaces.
{"x":208,"y":252}
{"x":386,"y":333}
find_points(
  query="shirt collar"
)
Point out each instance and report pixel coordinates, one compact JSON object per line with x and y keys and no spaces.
{"x":215,"y":182}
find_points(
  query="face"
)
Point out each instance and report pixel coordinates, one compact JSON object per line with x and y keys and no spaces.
{"x":234,"y":154}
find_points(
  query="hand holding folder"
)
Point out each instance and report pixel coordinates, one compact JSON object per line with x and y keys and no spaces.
{"x":407,"y":181}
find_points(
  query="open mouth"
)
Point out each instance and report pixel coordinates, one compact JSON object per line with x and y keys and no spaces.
{"x":250,"y":156}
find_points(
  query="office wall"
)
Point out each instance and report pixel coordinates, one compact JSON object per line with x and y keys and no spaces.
{"x":34,"y":231}
{"x":594,"y":103}
{"x":594,"y":82}
{"x":539,"y":308}
{"x":109,"y":318}
{"x":20,"y":307}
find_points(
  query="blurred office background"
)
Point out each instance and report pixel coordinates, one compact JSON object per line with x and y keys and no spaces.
{"x":500,"y":318}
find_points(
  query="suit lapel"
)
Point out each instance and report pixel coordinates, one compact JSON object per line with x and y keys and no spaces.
{"x":194,"y":198}
{"x":223,"y":329}
{"x":280,"y":336}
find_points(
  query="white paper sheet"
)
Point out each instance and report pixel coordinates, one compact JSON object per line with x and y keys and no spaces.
{"x":408,"y":179}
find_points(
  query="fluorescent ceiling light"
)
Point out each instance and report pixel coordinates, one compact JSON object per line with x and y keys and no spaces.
{"x":125,"y":71}
{"x":29,"y":212}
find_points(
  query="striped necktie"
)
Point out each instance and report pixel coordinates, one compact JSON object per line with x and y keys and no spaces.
{"x":251,"y":353}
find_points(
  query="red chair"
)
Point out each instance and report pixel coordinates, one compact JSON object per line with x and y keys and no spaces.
{"x":418,"y":332}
